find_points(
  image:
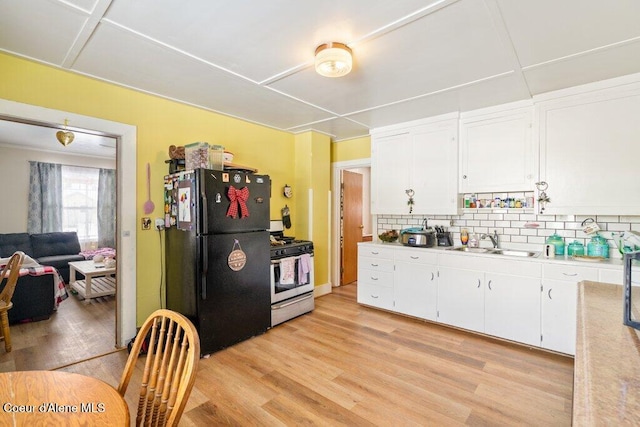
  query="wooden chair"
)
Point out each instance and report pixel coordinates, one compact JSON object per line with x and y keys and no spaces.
{"x":170,"y":368}
{"x":11,"y":272}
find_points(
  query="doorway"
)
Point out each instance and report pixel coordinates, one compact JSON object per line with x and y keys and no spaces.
{"x":352,"y":220}
{"x":126,"y":200}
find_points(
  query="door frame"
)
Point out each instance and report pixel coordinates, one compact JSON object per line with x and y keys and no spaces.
{"x":336,"y":171}
{"x":126,"y":201}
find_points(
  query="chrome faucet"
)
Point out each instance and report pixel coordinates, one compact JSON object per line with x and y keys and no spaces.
{"x":494,"y":238}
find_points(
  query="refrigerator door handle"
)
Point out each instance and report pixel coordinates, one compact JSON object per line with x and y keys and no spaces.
{"x":205,"y":213}
{"x":205,"y":270}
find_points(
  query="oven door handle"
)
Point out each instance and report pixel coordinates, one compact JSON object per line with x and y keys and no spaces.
{"x":294,"y":301}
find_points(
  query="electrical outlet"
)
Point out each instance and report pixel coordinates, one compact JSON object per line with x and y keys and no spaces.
{"x":159,"y":224}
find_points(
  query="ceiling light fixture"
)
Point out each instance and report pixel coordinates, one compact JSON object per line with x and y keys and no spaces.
{"x":333,"y":59}
{"x":65,"y":137}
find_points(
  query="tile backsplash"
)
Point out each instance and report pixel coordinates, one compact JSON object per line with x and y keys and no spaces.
{"x":518,"y":230}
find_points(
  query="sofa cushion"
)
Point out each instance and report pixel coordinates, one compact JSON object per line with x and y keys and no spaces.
{"x":11,"y":242}
{"x":59,"y":261}
{"x":50,"y":244}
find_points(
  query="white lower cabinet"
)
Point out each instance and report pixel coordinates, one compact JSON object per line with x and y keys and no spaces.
{"x":375,"y":277}
{"x":416,"y":283}
{"x":512,"y":307}
{"x":461,"y":298}
{"x":559,"y":302}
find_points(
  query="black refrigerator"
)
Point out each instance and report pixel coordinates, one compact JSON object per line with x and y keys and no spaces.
{"x":217,"y":253}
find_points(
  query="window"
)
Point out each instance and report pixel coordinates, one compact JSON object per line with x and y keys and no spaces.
{"x":80,"y":203}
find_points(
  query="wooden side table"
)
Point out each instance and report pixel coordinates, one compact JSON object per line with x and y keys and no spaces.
{"x":98,"y":281}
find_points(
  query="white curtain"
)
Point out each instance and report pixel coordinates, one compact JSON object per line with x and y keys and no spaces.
{"x":45,"y":198}
{"x":107,"y":208}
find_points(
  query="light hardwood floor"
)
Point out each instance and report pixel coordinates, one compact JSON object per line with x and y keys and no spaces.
{"x":345,"y":364}
{"x":75,"y":332}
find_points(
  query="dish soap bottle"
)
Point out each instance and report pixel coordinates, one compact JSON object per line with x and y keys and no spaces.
{"x":474,"y":242}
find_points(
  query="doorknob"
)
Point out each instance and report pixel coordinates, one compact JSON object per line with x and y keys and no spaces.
{"x":361,"y":226}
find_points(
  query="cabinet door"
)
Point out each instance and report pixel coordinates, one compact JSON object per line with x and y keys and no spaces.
{"x":416,"y":289}
{"x":434,"y":165}
{"x":461,"y":298}
{"x":512,"y":308}
{"x":589,"y":150}
{"x":497,"y":152}
{"x":390,"y":174}
{"x":559,"y":300}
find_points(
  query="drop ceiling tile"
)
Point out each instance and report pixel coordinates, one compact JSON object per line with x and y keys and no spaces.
{"x":337,"y":127}
{"x":39,"y":29}
{"x":542,"y":30}
{"x":485,"y":94}
{"x":455,"y":45}
{"x":595,"y":66}
{"x":153,"y":68}
{"x":257,"y":39}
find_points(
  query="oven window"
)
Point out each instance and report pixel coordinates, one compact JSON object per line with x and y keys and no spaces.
{"x":289,"y":273}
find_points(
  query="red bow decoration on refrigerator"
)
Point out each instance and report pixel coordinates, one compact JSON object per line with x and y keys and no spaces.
{"x":238,"y":197}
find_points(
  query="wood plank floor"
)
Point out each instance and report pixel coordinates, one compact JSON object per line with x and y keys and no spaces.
{"x":76,"y":331}
{"x":345,"y":364}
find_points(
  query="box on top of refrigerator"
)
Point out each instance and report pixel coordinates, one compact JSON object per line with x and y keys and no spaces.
{"x":203,"y":155}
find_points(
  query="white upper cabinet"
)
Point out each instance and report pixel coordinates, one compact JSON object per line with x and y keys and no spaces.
{"x":589,"y":149}
{"x":497,"y":152}
{"x":419,"y":159}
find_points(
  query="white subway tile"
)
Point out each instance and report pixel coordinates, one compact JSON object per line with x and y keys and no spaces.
{"x":555,"y":225}
{"x":528,"y":232}
{"x":519,"y":239}
{"x":528,"y":217}
{"x":537,"y":240}
{"x":480,"y":216}
{"x":545,"y":232}
{"x":511,"y":231}
{"x":518,"y":224}
{"x":567,"y":233}
{"x":622,"y":226}
{"x":487,"y":223}
{"x":631,"y":219}
{"x":504,"y":224}
{"x":511,"y":217}
{"x":606,"y":218}
{"x":495,"y":217}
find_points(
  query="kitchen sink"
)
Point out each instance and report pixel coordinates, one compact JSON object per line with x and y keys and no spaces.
{"x":511,"y":252}
{"x":489,"y":251}
{"x":474,"y":250}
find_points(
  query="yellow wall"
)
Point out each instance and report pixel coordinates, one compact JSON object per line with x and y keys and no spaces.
{"x":351,"y":149}
{"x":159,"y":123}
{"x":312,"y":172}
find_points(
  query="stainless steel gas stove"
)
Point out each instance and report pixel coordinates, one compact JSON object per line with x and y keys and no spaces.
{"x":292,"y":276}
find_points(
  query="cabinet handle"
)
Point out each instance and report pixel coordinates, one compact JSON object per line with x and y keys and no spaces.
{"x":478,"y":283}
{"x":374,"y":265}
{"x":374,"y":278}
{"x":489,"y":284}
{"x":432,"y":276}
{"x":374,"y":253}
{"x":567,"y":274}
{"x":464,"y":176}
{"x":415,"y":257}
{"x":549,"y":293}
{"x":374,"y":296}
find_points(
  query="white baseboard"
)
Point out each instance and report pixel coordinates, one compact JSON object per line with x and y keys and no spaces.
{"x":321,"y":290}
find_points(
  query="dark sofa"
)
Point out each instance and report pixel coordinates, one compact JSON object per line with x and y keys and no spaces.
{"x":54,"y":249}
{"x":33,"y":298}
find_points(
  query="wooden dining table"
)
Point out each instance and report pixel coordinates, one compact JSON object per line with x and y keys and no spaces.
{"x":35,"y":398}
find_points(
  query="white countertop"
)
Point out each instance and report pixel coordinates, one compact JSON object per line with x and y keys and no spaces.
{"x":614,"y":263}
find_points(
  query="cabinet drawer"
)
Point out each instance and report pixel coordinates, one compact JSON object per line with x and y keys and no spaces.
{"x":569,"y":272}
{"x":416,"y":255}
{"x":375,"y":264}
{"x":373,"y":277}
{"x":375,"y":252}
{"x":377,"y":296}
{"x":616,"y":276}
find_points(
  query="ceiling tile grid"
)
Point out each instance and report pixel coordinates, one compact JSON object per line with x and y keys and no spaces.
{"x":254,"y":60}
